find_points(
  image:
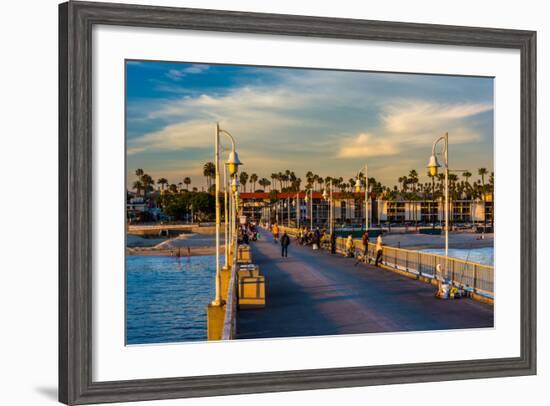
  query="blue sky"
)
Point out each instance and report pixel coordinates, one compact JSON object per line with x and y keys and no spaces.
{"x":329,"y":122}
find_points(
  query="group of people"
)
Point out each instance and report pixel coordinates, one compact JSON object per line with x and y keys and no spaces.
{"x":310,"y":237}
{"x":248,"y":232}
{"x":314,"y":237}
{"x":350,"y":248}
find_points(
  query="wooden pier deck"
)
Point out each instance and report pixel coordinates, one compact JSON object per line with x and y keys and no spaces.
{"x":315,"y":293}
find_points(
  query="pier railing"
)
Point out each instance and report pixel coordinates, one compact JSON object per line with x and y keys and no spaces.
{"x":230,"y":319}
{"x":471,"y":276}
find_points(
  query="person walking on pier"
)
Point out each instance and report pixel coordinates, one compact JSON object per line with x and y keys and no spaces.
{"x":316,"y":239}
{"x":275,"y":231}
{"x":365,"y":242}
{"x":350,"y":247}
{"x":378,"y":250}
{"x":285,"y":242}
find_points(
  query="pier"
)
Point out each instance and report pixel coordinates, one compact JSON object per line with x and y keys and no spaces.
{"x":315,"y":293}
{"x":261,"y":294}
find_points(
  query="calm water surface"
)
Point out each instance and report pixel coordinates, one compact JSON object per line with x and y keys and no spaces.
{"x":166,"y":298}
{"x":480,"y":255}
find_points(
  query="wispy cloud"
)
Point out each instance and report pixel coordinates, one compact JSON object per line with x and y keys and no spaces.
{"x":307,"y":119}
{"x":414,"y":123}
{"x":366,"y":145}
{"x":178,"y":74}
{"x":416,"y":116}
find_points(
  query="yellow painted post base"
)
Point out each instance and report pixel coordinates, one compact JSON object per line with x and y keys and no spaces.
{"x":215,"y":316}
{"x":225,"y":275}
{"x":243,"y":255}
{"x":251,"y":292}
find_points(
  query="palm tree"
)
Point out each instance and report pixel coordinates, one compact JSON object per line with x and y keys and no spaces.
{"x":162,"y":182}
{"x":280,"y":179}
{"x":138,"y":186}
{"x":285,"y":178}
{"x":320,"y":182}
{"x":482,"y":172}
{"x":314,"y":178}
{"x":187,"y":181}
{"x":139,"y":172}
{"x":148,"y":183}
{"x":274,"y":177}
{"x":243,"y":178}
{"x":413,"y":180}
{"x":253,"y":179}
{"x":453,"y":178}
{"x":467,"y":175}
{"x":309,"y":177}
{"x":404,"y":182}
{"x":180,"y":186}
{"x":441,"y":179}
{"x":264,"y":183}
{"x":209,"y":171}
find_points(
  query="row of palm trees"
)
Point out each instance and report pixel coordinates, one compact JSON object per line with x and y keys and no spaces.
{"x":145,"y":183}
{"x":458,"y":189}
{"x":410,"y":187}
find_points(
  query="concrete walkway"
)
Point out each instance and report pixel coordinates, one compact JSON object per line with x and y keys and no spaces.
{"x":315,"y":293}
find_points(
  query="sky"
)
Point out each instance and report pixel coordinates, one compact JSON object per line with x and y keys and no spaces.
{"x":329,"y":122}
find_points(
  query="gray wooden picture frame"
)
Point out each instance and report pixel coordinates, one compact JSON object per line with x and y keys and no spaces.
{"x":76,"y":20}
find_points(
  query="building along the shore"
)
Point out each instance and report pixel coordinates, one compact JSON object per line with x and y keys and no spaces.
{"x":349,"y":208}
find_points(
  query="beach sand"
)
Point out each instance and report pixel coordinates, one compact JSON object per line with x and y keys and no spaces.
{"x":425,"y":241}
{"x":192,"y":244}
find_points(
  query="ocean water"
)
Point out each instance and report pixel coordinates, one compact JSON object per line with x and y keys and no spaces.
{"x":166,"y":298}
{"x":480,"y":255}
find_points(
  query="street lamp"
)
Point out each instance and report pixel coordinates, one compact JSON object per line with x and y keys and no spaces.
{"x":310,"y":208}
{"x":327,"y":195}
{"x":433,"y":166}
{"x":358,"y":190}
{"x":233,"y":164}
{"x":233,"y":160}
{"x":235,"y":185}
{"x":298,"y":209}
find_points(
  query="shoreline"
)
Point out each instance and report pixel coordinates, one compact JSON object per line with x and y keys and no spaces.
{"x":173,"y":252}
{"x":464,"y":245}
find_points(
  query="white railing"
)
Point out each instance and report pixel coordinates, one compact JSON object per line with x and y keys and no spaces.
{"x":471,"y":276}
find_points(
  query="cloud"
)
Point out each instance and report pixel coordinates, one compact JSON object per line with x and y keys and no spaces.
{"x":366,"y":145}
{"x":178,"y":74}
{"x":414,"y":123}
{"x":178,"y":136}
{"x":422,"y":116}
{"x":258,"y":117}
{"x":310,"y":120}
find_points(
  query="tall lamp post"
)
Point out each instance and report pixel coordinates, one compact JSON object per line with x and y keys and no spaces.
{"x":233,"y":163}
{"x":288,"y":210}
{"x":358,"y":190}
{"x":298,"y":209}
{"x":433,"y":165}
{"x":310,"y":199}
{"x":328,"y":196}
